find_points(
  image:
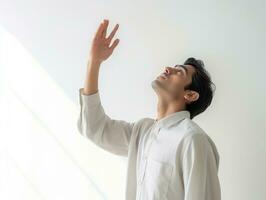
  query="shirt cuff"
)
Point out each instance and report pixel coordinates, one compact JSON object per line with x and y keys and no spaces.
{"x":89,"y":100}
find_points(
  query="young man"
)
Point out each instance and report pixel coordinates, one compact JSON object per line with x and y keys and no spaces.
{"x":170,"y":157}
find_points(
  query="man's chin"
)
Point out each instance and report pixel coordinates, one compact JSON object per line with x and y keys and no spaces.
{"x":157,"y":85}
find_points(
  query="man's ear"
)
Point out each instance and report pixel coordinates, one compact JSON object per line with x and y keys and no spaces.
{"x":191,"y":96}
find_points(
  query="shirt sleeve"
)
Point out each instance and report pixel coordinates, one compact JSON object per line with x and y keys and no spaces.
{"x":200,"y":170}
{"x":93,"y":123}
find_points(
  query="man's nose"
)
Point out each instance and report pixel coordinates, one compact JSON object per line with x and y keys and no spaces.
{"x":167,"y":70}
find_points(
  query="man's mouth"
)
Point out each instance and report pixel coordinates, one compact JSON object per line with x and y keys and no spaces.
{"x":163,"y":75}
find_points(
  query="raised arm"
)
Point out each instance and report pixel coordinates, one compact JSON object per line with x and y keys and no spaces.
{"x":93,"y":123}
{"x":99,"y":52}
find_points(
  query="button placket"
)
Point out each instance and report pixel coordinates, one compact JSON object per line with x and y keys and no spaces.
{"x":143,"y":171}
{"x":154,"y":133}
{"x":153,"y":137}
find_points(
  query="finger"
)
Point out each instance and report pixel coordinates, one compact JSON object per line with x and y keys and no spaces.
{"x":106,"y":22}
{"x":115,"y":43}
{"x":110,"y":37}
{"x":99,"y":31}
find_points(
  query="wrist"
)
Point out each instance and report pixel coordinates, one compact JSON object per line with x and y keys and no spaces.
{"x":93,"y":64}
{"x":94,"y":61}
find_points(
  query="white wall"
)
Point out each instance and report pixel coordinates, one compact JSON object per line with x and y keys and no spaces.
{"x":229,"y":36}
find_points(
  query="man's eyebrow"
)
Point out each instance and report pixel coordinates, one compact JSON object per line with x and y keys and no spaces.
{"x":183,"y":66}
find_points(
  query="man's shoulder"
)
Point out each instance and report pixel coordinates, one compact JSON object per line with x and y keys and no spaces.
{"x":196,"y":135}
{"x":192,"y":132}
{"x":141,"y":127}
{"x":187,"y":128}
{"x":144,"y":122}
{"x":192,"y":127}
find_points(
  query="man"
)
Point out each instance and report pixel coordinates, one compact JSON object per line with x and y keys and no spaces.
{"x":169,"y":157}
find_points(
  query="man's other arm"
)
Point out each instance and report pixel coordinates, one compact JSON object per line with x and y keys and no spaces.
{"x":200,"y":170}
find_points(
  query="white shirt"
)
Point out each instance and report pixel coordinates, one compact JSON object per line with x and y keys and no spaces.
{"x":168,"y":159}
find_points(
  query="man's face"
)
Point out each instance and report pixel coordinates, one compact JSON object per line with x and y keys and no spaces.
{"x":172,"y":81}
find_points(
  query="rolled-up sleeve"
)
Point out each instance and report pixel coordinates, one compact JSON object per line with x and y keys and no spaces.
{"x":93,"y":123}
{"x":200,"y":170}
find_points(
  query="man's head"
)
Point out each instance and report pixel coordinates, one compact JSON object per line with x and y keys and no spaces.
{"x":189,"y":85}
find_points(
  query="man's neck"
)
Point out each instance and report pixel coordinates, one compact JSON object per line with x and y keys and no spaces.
{"x":164,"y":109}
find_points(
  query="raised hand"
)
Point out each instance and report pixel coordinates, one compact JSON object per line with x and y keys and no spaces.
{"x":101,"y":48}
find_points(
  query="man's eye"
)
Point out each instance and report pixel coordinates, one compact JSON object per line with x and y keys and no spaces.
{"x":179,"y":72}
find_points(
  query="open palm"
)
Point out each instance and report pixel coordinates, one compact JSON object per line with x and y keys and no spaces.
{"x":101,"y":48}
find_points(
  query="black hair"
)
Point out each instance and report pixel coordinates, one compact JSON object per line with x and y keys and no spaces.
{"x":201,"y":83}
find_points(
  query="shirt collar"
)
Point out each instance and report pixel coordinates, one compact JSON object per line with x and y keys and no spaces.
{"x":171,"y":119}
